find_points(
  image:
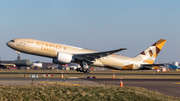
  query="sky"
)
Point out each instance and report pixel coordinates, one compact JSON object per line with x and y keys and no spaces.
{"x":100,"y":25}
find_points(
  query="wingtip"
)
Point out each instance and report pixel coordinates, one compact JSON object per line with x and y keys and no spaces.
{"x":123,"y":49}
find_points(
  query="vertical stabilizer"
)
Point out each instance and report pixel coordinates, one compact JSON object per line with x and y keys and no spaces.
{"x":149,"y":55}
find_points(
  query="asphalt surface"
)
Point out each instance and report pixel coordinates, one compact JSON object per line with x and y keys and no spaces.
{"x":165,"y":86}
{"x":92,"y":73}
{"x":20,"y":81}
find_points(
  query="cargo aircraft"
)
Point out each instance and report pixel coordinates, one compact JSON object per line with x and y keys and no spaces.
{"x":64,"y":54}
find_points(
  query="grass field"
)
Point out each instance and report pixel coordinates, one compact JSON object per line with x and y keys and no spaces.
{"x":76,"y":93}
{"x":97,"y":74}
{"x":74,"y":71}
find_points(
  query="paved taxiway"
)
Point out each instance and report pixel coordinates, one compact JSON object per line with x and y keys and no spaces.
{"x":20,"y":81}
{"x":78,"y":73}
{"x":165,"y":86}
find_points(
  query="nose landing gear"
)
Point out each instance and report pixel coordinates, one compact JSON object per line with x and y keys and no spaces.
{"x":18,"y":58}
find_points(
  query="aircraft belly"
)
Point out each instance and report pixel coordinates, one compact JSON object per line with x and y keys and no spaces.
{"x":122,"y":63}
{"x":112,"y":64}
{"x":98,"y":64}
{"x":131,"y":63}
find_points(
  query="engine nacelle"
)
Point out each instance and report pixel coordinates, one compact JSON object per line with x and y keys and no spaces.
{"x":63,"y":58}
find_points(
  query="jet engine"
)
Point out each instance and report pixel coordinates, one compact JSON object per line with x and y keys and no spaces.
{"x":63,"y":58}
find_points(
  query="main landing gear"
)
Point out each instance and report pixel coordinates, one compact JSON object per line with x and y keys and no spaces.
{"x":18,"y":58}
{"x":84,"y":68}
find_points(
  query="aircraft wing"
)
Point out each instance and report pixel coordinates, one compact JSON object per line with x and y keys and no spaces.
{"x":96,"y":55}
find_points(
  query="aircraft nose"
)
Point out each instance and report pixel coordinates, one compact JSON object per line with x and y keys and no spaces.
{"x":7,"y":43}
{"x":10,"y":43}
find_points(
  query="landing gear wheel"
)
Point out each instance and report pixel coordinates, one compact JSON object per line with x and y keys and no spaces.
{"x":84,"y":70}
{"x":78,"y":69}
{"x":18,"y":57}
{"x":81,"y":69}
{"x":87,"y":71}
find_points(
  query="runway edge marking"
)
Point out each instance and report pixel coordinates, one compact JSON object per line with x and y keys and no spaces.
{"x":176,"y":82}
{"x":60,"y":83}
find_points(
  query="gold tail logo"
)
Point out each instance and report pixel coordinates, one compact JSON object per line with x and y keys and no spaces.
{"x":149,"y":55}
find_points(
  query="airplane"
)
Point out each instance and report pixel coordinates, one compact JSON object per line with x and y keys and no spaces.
{"x":64,"y":54}
{"x":17,"y":63}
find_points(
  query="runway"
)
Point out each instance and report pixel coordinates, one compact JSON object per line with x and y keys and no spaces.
{"x":92,"y":73}
{"x":20,"y":81}
{"x":165,"y":86}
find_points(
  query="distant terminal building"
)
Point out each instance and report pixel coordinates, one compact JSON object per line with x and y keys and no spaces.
{"x":174,"y":65}
{"x":49,"y":65}
{"x":44,"y":65}
{"x":38,"y":64}
{"x":70,"y":66}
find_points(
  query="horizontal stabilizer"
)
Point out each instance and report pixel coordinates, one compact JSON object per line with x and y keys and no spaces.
{"x":153,"y":65}
{"x":149,"y":66}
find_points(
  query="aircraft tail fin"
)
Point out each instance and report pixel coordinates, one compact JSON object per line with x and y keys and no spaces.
{"x":149,"y":55}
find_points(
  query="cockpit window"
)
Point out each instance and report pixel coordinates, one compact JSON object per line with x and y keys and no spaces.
{"x":12,"y":41}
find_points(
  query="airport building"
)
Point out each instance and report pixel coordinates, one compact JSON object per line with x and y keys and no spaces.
{"x":174,"y":65}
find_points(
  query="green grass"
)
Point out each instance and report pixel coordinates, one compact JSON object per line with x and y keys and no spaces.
{"x":97,"y":76}
{"x":82,"y":93}
{"x":100,"y":75}
{"x":74,"y":71}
